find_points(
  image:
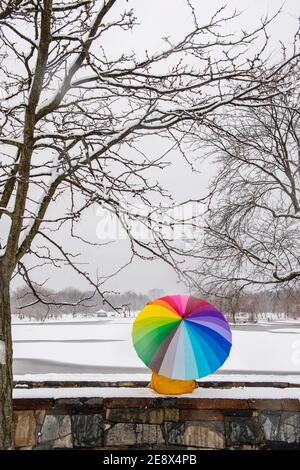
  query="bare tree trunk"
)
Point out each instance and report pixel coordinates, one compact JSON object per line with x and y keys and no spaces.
{"x":6,"y":378}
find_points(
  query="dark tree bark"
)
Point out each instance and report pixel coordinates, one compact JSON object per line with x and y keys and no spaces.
{"x":6,"y":377}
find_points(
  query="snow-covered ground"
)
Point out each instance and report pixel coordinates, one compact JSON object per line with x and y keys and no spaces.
{"x":102,"y":349}
{"x":111,"y":392}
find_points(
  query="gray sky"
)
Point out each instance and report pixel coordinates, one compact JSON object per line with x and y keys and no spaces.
{"x":157,"y":19}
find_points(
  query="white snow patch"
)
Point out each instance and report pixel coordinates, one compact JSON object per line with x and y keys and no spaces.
{"x":145,"y":392}
{"x":2,"y":352}
{"x":56,"y":377}
{"x":257,"y":351}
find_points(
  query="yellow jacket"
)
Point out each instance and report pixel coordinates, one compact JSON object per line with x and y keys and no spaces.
{"x":167,"y":386}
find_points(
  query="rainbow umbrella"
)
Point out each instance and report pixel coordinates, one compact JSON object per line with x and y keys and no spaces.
{"x":181,"y":337}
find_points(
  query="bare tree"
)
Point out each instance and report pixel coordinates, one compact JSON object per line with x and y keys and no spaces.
{"x":71,"y":123}
{"x":252,"y":225}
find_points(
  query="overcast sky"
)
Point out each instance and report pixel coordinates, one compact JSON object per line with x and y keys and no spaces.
{"x":159,"y":18}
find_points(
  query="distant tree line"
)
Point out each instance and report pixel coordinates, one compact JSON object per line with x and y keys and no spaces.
{"x":281,"y":303}
{"x":248,"y":306}
{"x":73,"y":301}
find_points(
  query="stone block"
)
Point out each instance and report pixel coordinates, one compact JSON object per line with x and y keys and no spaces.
{"x":210,"y":435}
{"x":290,"y":405}
{"x":25,"y":434}
{"x":133,"y":434}
{"x":56,"y":432}
{"x":271,"y":404}
{"x":165,"y":402}
{"x":127,"y":415}
{"x":289,"y":429}
{"x":96,"y":403}
{"x":211,"y":403}
{"x":128,"y":402}
{"x":171,"y":414}
{"x":79,"y":405}
{"x":243,"y":431}
{"x":69,"y":405}
{"x":281,"y":427}
{"x":33,"y":403}
{"x":246,"y":413}
{"x":201,"y":415}
{"x":87,"y":430}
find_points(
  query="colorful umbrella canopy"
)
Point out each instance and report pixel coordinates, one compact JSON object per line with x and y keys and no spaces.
{"x":181,"y":337}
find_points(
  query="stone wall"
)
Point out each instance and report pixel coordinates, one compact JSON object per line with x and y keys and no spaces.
{"x":157,"y":423}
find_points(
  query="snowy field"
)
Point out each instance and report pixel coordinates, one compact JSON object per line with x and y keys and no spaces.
{"x":102,"y":349}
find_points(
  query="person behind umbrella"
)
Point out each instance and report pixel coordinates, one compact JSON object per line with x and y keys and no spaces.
{"x":181,"y":338}
{"x":167,"y":386}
